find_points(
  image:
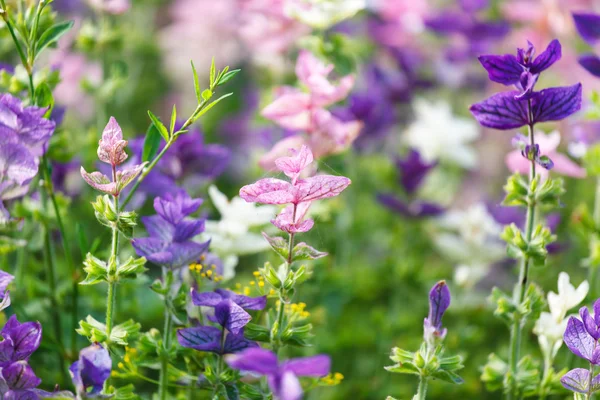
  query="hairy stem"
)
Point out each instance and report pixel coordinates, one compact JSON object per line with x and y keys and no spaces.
{"x":112,"y":265}
{"x":521,"y":285}
{"x":422,"y":389}
{"x":163,"y":386}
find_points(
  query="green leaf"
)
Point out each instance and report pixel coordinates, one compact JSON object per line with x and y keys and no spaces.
{"x":162,"y":129}
{"x":228,"y":76}
{"x":405,"y":368}
{"x":43,"y":98}
{"x":92,"y":329}
{"x":448,"y":376}
{"x":206,"y":94}
{"x":279,"y":244}
{"x":131,"y":268}
{"x":124,"y":332}
{"x":151,"y":143}
{"x":208,"y":107}
{"x":173,"y":119}
{"x":96,"y":269}
{"x":212,"y":73}
{"x":257,"y":332}
{"x":196,"y":84}
{"x":51,"y":35}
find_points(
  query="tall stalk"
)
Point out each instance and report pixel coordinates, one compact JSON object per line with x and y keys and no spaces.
{"x":163,"y":387}
{"x":594,"y":239}
{"x":112,"y":265}
{"x":519,"y":292}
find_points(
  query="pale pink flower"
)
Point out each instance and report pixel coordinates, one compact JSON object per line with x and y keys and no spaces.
{"x":115,"y":7}
{"x":300,"y":192}
{"x":548,"y":147}
{"x":111,"y":148}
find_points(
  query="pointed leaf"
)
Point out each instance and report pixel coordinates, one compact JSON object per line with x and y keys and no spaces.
{"x":196,"y":84}
{"x":151,"y":143}
{"x":162,"y":129}
{"x":51,"y":35}
{"x":228,"y":76}
{"x":302,"y":251}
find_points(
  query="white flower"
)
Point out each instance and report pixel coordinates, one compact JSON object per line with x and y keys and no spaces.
{"x":551,"y":326}
{"x":567,"y":297}
{"x":231,"y":235}
{"x":470,"y":236}
{"x":322,"y":14}
{"x":466,"y":276}
{"x":439,"y":135}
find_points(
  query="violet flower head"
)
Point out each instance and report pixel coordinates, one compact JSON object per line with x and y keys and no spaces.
{"x":91,"y":370}
{"x":20,"y":340}
{"x":230,"y":308}
{"x":300,"y":192}
{"x":18,"y":381}
{"x":25,"y":125}
{"x":413,"y":169}
{"x":171,"y":231}
{"x":513,"y":109}
{"x":588,"y":26}
{"x":282,"y":377}
{"x":439,"y":301}
{"x":111,"y":150}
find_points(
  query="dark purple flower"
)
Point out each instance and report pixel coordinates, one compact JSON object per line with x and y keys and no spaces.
{"x":7,"y":67}
{"x":20,"y":340}
{"x":503,"y":111}
{"x":282,"y":377}
{"x":414,"y":209}
{"x":413,"y":170}
{"x":588,"y":26}
{"x":229,"y":307}
{"x":522,"y":70}
{"x":91,"y":370}
{"x":171,"y":232}
{"x":580,"y":341}
{"x":24,"y":125}
{"x":19,"y":382}
{"x":5,"y":280}
{"x":578,"y":380}
{"x":208,"y":338}
{"x":591,"y":63}
{"x":439,"y":301}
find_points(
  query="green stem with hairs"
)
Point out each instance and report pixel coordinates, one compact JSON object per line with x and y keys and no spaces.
{"x":163,"y":387}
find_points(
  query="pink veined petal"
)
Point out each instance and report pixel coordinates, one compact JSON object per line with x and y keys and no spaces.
{"x":111,"y":148}
{"x":126,"y":176}
{"x":267,"y":161}
{"x":287,"y":223}
{"x":99,"y":181}
{"x":320,"y":187}
{"x":268,"y":191}
{"x":291,"y":110}
{"x":293,"y":165}
{"x":565,"y":166}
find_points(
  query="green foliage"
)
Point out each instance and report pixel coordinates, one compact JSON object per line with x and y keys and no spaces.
{"x":427,"y":363}
{"x":535,"y":250}
{"x":496,"y":375}
{"x":529,"y":309}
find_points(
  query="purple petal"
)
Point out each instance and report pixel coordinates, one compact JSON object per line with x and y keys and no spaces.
{"x":503,"y":69}
{"x":501,"y":111}
{"x":315,"y":366}
{"x":416,"y":209}
{"x":286,"y":387}
{"x":588,"y":26}
{"x":546,"y":58}
{"x":237,"y":343}
{"x":207,"y":299}
{"x":554,"y":104}
{"x":576,"y":380}
{"x":5,"y":280}
{"x":412,"y":170}
{"x":185,"y":253}
{"x":246,"y":302}
{"x":147,"y":247}
{"x":589,"y":323}
{"x":92,"y":369}
{"x":25,"y":338}
{"x":591,"y":63}
{"x":17,"y":163}
{"x":187,"y":229}
{"x":175,"y":208}
{"x":19,"y":375}
{"x":202,"y":338}
{"x":158,"y":228}
{"x":578,"y":340}
{"x":439,"y":301}
{"x":231,"y":316}
{"x":257,"y":360}
{"x":597,"y":312}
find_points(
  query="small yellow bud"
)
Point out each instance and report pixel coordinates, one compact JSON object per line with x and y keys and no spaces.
{"x":126,"y":358}
{"x":252,"y":283}
{"x":121,"y":365}
{"x":256,"y":274}
{"x":247,"y":291}
{"x":209,"y":273}
{"x":338,"y":376}
{"x":261,"y":284}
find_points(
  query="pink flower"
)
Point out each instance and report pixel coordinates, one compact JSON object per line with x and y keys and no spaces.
{"x":300,"y":192}
{"x":548,"y":147}
{"x":294,"y":108}
{"x":115,"y":7}
{"x":111,"y":148}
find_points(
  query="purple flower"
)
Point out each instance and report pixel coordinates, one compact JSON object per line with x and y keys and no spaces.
{"x":18,"y":166}
{"x":171,"y":232}
{"x":578,"y":380}
{"x":20,"y":340}
{"x":580,"y":341}
{"x":414,"y":209}
{"x":25,"y":125}
{"x":412,"y":170}
{"x":19,"y":382}
{"x":282,"y":377}
{"x":532,"y":153}
{"x":65,"y":177}
{"x":229,"y":307}
{"x":208,"y":338}
{"x":588,"y":26}
{"x":91,"y":370}
{"x":439,"y":301}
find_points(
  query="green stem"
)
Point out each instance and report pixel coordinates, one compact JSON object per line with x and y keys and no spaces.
{"x":163,"y":387}
{"x":4,"y":14}
{"x":593,"y":268}
{"x":519,"y":292}
{"x":112,"y":265}
{"x":422,"y":389}
{"x":156,"y":159}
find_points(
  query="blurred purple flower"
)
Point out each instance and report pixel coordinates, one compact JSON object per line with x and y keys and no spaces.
{"x":25,"y":125}
{"x":439,"y":301}
{"x":413,"y":169}
{"x":229,"y":307}
{"x":282,"y":377}
{"x":20,"y":340}
{"x":208,"y":338}
{"x":66,"y":177}
{"x":588,"y":26}
{"x":18,"y":167}
{"x":171,"y":232}
{"x":414,"y":209}
{"x":91,"y":370}
{"x":7,"y":67}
